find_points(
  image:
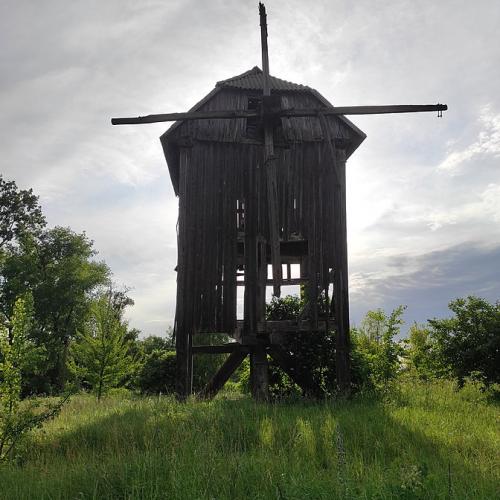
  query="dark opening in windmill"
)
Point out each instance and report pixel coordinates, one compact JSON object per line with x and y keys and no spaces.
{"x":259,"y":168}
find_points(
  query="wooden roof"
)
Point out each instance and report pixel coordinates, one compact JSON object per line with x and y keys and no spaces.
{"x":252,"y":81}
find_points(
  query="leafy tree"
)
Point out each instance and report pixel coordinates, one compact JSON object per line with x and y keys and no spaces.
{"x":420,"y":353}
{"x":468,"y":344}
{"x":16,"y":352}
{"x":157,"y":373}
{"x":156,"y":343}
{"x":376,"y":348}
{"x":20,"y":212}
{"x":58,"y":269}
{"x":100,"y":356}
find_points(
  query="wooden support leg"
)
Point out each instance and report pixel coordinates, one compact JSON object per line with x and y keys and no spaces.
{"x":222,"y":376}
{"x":184,"y":360}
{"x":259,"y":374}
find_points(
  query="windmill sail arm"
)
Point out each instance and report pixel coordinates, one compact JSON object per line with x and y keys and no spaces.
{"x":364,"y":110}
{"x":193,"y":115}
{"x":286,"y":113}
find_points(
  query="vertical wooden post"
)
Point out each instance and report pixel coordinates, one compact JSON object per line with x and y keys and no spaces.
{"x":258,"y":360}
{"x":270,"y":163}
{"x":340,"y":282}
{"x":343,"y":344}
{"x":259,"y":374}
{"x":183,"y":333}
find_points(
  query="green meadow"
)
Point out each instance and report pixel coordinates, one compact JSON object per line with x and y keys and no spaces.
{"x":419,"y":440}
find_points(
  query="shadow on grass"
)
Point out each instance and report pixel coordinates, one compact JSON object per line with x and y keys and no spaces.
{"x":240,"y":449}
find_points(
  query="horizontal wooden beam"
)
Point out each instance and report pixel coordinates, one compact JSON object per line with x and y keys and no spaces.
{"x":219,"y":349}
{"x":285,"y":113}
{"x":284,"y":282}
{"x":286,"y":326}
{"x":291,"y":326}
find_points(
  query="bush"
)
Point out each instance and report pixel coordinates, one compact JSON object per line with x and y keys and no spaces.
{"x":18,"y":417}
{"x":157,"y":374}
{"x":468,"y":344}
{"x":314,"y":353}
{"x":158,"y":371}
{"x":374,"y":349}
{"x":421,"y":359}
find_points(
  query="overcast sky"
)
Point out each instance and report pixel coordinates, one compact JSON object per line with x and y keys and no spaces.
{"x":423,"y":193}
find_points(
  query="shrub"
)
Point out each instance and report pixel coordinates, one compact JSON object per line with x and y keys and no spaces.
{"x":157,"y":374}
{"x":420,"y":354}
{"x":375,"y":349}
{"x":17,"y":418}
{"x":468,"y":344}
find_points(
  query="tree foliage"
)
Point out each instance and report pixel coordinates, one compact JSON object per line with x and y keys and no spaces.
{"x":468,"y":343}
{"x":100,"y":355}
{"x":421,"y":357}
{"x":375,"y":345}
{"x":58,"y":270}
{"x":157,"y":373}
{"x":20,"y":212}
{"x":17,"y":352}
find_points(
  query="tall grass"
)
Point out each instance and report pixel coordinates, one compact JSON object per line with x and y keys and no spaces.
{"x":421,"y":441}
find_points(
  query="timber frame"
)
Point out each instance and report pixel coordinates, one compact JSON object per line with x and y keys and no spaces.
{"x":259,"y":169}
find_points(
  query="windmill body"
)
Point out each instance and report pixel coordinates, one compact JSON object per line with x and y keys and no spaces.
{"x":259,"y":168}
{"x":218,"y":170}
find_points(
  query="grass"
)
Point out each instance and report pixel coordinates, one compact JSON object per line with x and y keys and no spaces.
{"x":423,"y":441}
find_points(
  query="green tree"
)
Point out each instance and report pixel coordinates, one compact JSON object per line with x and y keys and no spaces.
{"x":157,"y":373}
{"x":16,"y":352}
{"x":376,"y":348}
{"x":420,"y":353}
{"x":155,"y":343}
{"x":100,"y":356}
{"x":468,"y":344}
{"x":58,"y":269}
{"x":20,"y":212}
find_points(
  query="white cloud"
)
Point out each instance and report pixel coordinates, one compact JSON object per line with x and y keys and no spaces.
{"x":487,"y":143}
{"x":417,"y":185}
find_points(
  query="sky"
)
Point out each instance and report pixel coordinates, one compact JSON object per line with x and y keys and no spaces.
{"x":423,"y":192}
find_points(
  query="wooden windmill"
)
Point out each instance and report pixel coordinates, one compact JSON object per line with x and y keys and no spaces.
{"x":259,"y":168}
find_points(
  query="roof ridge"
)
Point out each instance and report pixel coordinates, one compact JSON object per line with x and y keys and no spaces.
{"x":253,"y":71}
{"x":252,"y":79}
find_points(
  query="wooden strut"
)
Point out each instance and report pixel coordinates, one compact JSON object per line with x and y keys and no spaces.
{"x":222,"y":376}
{"x":257,"y":353}
{"x":284,"y":113}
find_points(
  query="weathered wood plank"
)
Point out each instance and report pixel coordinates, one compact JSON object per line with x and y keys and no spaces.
{"x":219,"y":349}
{"x":270,"y":282}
